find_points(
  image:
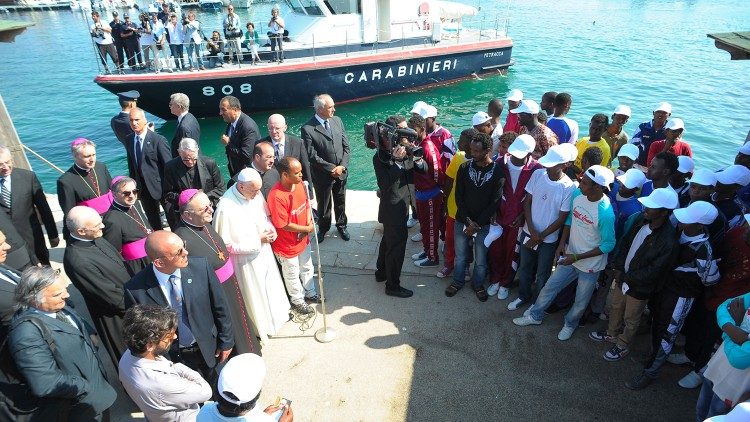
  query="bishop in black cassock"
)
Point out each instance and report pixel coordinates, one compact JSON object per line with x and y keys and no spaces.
{"x":126,"y":222}
{"x":80,"y":184}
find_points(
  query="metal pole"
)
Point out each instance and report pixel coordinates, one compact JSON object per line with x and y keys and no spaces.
{"x":42,"y":158}
{"x":313,"y":48}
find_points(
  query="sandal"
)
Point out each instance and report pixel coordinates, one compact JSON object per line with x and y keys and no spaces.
{"x":481,"y":294}
{"x":451,"y":290}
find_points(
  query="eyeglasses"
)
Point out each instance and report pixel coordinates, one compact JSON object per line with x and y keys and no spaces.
{"x":202,"y":210}
{"x":182,"y":250}
{"x":129,"y":192}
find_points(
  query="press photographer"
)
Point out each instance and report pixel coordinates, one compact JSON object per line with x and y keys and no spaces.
{"x":101,"y":33}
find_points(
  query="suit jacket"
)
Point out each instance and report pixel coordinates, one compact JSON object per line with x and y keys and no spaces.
{"x":294,"y":147}
{"x":325,"y":151}
{"x":187,"y":128}
{"x":207,"y":310}
{"x":73,"y":374}
{"x":19,"y":256}
{"x":154,"y":155}
{"x":7,"y":297}
{"x":241,"y":144}
{"x":121,"y":127}
{"x":393,"y":182}
{"x":176,"y":179}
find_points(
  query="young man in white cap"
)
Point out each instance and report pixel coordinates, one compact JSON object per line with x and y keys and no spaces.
{"x":240,"y":382}
{"x":587,"y":238}
{"x":626,"y":156}
{"x":624,"y":197}
{"x":743,"y":159}
{"x":644,"y":255}
{"x":482,"y":122}
{"x":527,"y":117}
{"x":695,"y":267}
{"x":701,"y":185}
{"x":728,"y":183}
{"x":438,"y":135}
{"x":546,"y":207}
{"x":679,"y":180}
{"x":564,"y":127}
{"x":651,"y":131}
{"x":615,"y":136}
{"x":517,"y":166}
{"x":511,"y":121}
{"x":672,"y":141}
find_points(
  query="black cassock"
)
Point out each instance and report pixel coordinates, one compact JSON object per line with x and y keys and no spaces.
{"x":205,"y":242}
{"x":77,"y":185}
{"x":96,"y":269}
{"x":125,"y":225}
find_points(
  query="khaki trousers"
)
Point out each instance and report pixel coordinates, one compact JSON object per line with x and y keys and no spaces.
{"x":624,"y":315}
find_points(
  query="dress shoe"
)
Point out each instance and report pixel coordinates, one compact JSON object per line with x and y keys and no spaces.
{"x":344,"y":234}
{"x":398,"y":292}
{"x":321,"y":237}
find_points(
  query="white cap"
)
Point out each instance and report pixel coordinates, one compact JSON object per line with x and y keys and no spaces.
{"x":417,"y":108}
{"x":664,"y":107}
{"x":527,"y":106}
{"x":242,"y":376}
{"x":571,"y":150}
{"x":249,"y":174}
{"x":740,"y":413}
{"x":522,"y":146}
{"x":632,"y":179}
{"x":686,"y":164}
{"x":601,"y":175}
{"x":428,"y":111}
{"x":700,"y":212}
{"x":745,"y":149}
{"x":675,"y":124}
{"x":703,"y":177}
{"x":629,"y":150}
{"x":480,"y":118}
{"x":734,"y":174}
{"x":661,"y":198}
{"x":622,"y":109}
{"x":515,"y":95}
{"x":555,"y":155}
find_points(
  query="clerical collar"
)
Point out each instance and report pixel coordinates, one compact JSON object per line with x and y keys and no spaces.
{"x":78,"y":238}
{"x":193,"y":226}
{"x":252,"y":164}
{"x":80,"y":169}
{"x":120,"y":206}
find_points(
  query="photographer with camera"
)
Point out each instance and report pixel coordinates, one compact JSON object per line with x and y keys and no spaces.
{"x":130,"y":37}
{"x":276,"y":34}
{"x":194,"y":37}
{"x":233,"y":35}
{"x":101,"y":33}
{"x":396,"y":157}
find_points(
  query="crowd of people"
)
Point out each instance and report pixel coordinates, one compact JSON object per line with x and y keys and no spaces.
{"x":171,"y":274}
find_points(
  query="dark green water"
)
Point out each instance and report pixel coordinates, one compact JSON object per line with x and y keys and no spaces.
{"x":603,"y":52}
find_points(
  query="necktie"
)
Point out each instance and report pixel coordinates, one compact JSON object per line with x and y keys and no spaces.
{"x":327,"y":126}
{"x":137,"y":151}
{"x":184,"y":335}
{"x":230,"y":131}
{"x":5,"y":194}
{"x":276,"y":148}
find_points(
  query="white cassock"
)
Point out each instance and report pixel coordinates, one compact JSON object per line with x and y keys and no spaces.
{"x":240,"y":222}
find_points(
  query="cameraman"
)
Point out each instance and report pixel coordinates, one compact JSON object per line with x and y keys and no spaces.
{"x":393,"y":164}
{"x":101,"y":32}
{"x":233,"y":35}
{"x":276,"y":34}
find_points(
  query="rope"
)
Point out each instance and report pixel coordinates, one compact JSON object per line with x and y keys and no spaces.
{"x":42,"y":158}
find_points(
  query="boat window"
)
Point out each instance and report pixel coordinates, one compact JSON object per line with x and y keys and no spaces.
{"x":341,"y":7}
{"x":305,"y":7}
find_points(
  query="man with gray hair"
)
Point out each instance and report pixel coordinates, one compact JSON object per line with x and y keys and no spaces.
{"x":54,"y":350}
{"x":285,"y":144}
{"x":189,"y":170}
{"x":187,"y":124}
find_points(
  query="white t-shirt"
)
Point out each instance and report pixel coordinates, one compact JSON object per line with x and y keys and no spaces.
{"x":637,"y":242}
{"x":107,"y":36}
{"x":548,"y":199}
{"x":515,"y":173}
{"x":147,"y":38}
{"x":496,"y":133}
{"x":210,"y":413}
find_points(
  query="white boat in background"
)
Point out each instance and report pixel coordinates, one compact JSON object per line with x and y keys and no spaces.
{"x":211,"y":5}
{"x":43,"y":4}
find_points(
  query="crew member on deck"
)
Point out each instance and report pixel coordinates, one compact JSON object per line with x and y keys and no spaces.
{"x":126,"y":225}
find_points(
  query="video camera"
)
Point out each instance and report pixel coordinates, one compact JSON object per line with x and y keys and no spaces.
{"x":379,"y":135}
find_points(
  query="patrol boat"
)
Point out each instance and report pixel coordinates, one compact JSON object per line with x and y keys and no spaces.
{"x":351,"y":49}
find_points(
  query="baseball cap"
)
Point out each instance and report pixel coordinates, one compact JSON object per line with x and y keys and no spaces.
{"x":664,"y":106}
{"x":661,"y":198}
{"x":515,"y":95}
{"x":243,"y":377}
{"x":428,"y":111}
{"x":601,"y":175}
{"x":622,"y":109}
{"x":675,"y":124}
{"x":700,"y":212}
{"x":527,"y":106}
{"x":686,"y":164}
{"x":417,"y":108}
{"x":522,"y":146}
{"x":734,"y":174}
{"x":629,"y":150}
{"x":480,"y":118}
{"x":745,"y":149}
{"x":632,"y":178}
{"x":555,"y":155}
{"x":703,"y":177}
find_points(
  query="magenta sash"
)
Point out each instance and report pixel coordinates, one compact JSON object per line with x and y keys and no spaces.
{"x":134,"y":250}
{"x":101,"y":203}
{"x":226,"y":271}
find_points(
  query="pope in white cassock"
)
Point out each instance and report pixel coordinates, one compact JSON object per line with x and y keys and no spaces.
{"x":242,"y":220}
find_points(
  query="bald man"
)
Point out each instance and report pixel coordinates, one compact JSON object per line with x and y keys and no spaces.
{"x":287,"y":145}
{"x":190,"y":287}
{"x":148,"y":152}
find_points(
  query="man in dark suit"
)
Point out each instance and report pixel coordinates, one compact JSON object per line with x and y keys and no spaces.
{"x":328,"y":152}
{"x":120,"y":123}
{"x":187,"y":124}
{"x":240,"y":136}
{"x":21,"y":197}
{"x":67,"y":376}
{"x":147,"y":154}
{"x":285,"y":145}
{"x":190,"y":287}
{"x":263,"y":162}
{"x":19,"y":256}
{"x":8,"y":280}
{"x":190,"y":170}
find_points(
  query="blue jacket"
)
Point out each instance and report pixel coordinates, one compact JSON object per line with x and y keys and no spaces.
{"x":737,"y":355}
{"x":643,"y":137}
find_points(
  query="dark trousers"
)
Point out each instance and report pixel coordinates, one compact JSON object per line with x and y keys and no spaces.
{"x":668,"y":315}
{"x":276,"y":41}
{"x":193,"y":359}
{"x":133,"y":51}
{"x":391,"y":254}
{"x":177,"y":50}
{"x":150,"y":207}
{"x":328,"y":189}
{"x":108,"y":49}
{"x":702,"y":332}
{"x":39,"y":245}
{"x":120,"y":48}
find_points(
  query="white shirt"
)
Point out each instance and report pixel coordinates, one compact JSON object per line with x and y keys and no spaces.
{"x":107,"y":36}
{"x":322,"y":121}
{"x":548,"y":199}
{"x":637,"y":242}
{"x":179,"y":118}
{"x":176,"y":33}
{"x":165,"y":285}
{"x":515,"y":173}
{"x":6,"y":183}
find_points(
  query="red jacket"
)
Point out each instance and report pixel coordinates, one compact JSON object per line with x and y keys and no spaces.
{"x":511,"y":206}
{"x":435,"y":174}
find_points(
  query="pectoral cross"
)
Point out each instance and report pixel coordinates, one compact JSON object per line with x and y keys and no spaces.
{"x":221,"y":255}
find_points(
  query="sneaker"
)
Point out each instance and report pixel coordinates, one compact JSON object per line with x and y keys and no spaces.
{"x":417,"y":237}
{"x":302,"y":308}
{"x":313,"y":299}
{"x":566,"y":333}
{"x":512,"y":306}
{"x":527,"y":312}
{"x":691,"y":380}
{"x":502,"y":293}
{"x":602,"y":336}
{"x":639,"y":383}
{"x":444,"y":272}
{"x":526,"y":320}
{"x":426,"y":263}
{"x":411,"y":222}
{"x":493,"y":288}
{"x":418,"y":256}
{"x":678,"y":359}
{"x":615,"y":353}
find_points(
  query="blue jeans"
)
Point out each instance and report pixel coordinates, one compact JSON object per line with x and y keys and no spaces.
{"x":534,"y":266}
{"x":198,"y":51}
{"x":564,"y":275}
{"x":462,"y":254}
{"x":709,"y":404}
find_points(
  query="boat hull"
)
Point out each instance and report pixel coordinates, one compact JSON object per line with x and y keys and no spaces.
{"x":293,"y":85}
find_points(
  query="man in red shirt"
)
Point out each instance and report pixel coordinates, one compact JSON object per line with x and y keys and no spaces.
{"x":290,"y":214}
{"x":511,"y":122}
{"x":673,"y":141}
